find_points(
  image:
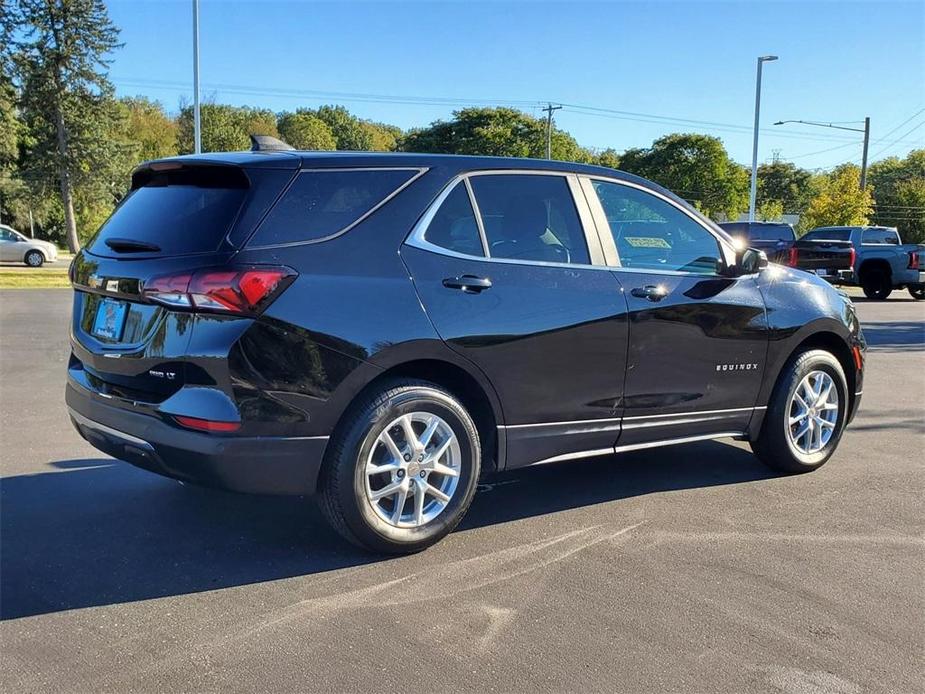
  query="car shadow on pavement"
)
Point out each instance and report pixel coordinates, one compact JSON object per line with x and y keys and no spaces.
{"x":98,"y":531}
{"x":895,"y":336}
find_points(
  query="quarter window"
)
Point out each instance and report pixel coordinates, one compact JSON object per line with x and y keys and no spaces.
{"x":650,"y":233}
{"x":454,"y":226}
{"x":322,"y":203}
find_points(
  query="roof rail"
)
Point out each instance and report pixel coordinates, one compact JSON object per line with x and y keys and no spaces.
{"x":268,"y":143}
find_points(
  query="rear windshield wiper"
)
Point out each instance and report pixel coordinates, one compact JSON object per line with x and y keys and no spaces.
{"x":131,"y":246}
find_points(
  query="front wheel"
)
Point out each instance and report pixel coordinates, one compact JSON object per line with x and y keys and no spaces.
{"x":806,"y":416}
{"x":917,"y":291}
{"x":402,"y":469}
{"x":34,"y":259}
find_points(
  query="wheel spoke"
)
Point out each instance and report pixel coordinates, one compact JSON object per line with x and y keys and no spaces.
{"x":433,"y":491}
{"x":373,"y":469}
{"x":399,"y":505}
{"x":442,"y":469}
{"x":440,"y":451}
{"x":419,"y":505}
{"x":801,"y":432}
{"x":800,"y":401}
{"x":825,"y":423}
{"x":387,"y":490}
{"x":830,"y":406}
{"x":429,"y":431}
{"x":386,"y":438}
{"x":824,"y":397}
{"x":410,"y":437}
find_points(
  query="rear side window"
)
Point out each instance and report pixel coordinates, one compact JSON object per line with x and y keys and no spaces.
{"x":880,"y":237}
{"x":828,"y":235}
{"x":454,"y":226}
{"x":530,"y":217}
{"x":179,"y":211}
{"x":319,"y":204}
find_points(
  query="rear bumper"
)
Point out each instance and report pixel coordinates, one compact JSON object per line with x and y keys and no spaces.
{"x":257,"y":465}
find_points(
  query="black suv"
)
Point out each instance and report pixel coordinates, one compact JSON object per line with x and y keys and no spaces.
{"x":386,"y":328}
{"x":774,"y":238}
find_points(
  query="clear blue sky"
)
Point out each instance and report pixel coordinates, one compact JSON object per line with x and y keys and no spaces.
{"x":839,"y":61}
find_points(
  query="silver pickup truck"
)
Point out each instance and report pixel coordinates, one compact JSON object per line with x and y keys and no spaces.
{"x":873,"y":258}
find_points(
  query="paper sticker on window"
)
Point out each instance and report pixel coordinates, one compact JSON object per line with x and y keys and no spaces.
{"x":647,"y":242}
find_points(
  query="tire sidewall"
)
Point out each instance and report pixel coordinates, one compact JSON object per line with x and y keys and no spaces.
{"x":812,"y":361}
{"x":876,"y":285}
{"x":358,"y":513}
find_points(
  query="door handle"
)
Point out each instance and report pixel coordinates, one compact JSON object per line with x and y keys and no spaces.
{"x":468,"y":283}
{"x":652,"y":292}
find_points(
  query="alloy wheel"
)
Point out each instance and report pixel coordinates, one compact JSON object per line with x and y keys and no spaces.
{"x":412,"y":470}
{"x":813,"y":412}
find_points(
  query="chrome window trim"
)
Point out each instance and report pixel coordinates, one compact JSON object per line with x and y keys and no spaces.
{"x":724,"y":244}
{"x":639,"y":446}
{"x":477,"y":213}
{"x":417,"y":239}
{"x":421,"y":170}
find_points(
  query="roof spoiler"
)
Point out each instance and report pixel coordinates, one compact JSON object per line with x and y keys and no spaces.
{"x":267,"y":143}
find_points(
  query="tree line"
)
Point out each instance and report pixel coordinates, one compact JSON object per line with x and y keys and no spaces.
{"x":68,"y":145}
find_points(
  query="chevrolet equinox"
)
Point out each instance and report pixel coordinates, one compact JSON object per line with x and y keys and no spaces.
{"x":385,"y":329}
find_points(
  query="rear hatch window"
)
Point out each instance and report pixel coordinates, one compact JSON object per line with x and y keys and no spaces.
{"x":177,"y":211}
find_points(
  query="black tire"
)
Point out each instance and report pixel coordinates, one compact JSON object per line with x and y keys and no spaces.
{"x":774,"y":445}
{"x":34,"y":259}
{"x":917,"y":291}
{"x":342,"y":485}
{"x":876,"y":285}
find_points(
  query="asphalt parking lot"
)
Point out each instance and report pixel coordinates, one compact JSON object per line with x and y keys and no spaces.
{"x":688,"y":569}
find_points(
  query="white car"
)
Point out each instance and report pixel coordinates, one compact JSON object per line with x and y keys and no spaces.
{"x":14,"y":247}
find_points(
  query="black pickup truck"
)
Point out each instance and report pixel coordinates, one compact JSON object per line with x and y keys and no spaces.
{"x":873,"y":258}
{"x":774,"y":238}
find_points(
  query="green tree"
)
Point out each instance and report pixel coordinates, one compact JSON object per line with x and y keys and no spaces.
{"x":349,"y":131}
{"x":785,"y":183}
{"x":839,"y":200}
{"x":770,"y":211}
{"x":697,"y":168}
{"x":149,"y":128}
{"x":225,"y":128}
{"x":899,"y":202}
{"x":382,"y":137}
{"x":62,"y":58}
{"x":607,"y":157}
{"x":304,"y":130}
{"x":500,"y":132}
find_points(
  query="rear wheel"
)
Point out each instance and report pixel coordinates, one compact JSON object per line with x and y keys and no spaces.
{"x":876,"y":284}
{"x":34,"y":259}
{"x":806,"y":416}
{"x":402,"y":469}
{"x":917,"y":291}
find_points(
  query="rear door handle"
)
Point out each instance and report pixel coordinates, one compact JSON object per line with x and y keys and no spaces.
{"x":652,"y":292}
{"x":468,"y":283}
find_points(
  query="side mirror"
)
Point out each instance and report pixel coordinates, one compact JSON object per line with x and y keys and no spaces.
{"x":749,"y":261}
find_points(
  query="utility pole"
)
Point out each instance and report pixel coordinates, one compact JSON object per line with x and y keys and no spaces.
{"x":864,"y":156}
{"x":197,"y":126}
{"x":549,"y":109}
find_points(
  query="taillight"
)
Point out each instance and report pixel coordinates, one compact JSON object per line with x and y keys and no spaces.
{"x":792,"y":257}
{"x":852,"y":256}
{"x":914,"y":260}
{"x":246,"y":291}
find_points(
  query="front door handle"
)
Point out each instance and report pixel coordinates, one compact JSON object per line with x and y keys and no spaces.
{"x":652,"y":292}
{"x":468,"y":283}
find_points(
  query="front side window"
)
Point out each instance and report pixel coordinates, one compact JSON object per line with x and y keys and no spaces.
{"x":7,"y":235}
{"x":530,"y":217}
{"x":652,"y":234}
{"x":319,"y":204}
{"x":454,"y":226}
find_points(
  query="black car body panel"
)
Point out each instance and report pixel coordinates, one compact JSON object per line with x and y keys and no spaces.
{"x":562,"y":360}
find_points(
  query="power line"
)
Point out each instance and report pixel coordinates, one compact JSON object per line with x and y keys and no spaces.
{"x":908,"y":132}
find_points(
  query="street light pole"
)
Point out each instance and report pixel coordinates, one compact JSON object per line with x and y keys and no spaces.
{"x":864,"y":156}
{"x":753,"y":193}
{"x":197,"y":126}
{"x":865,"y":130}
